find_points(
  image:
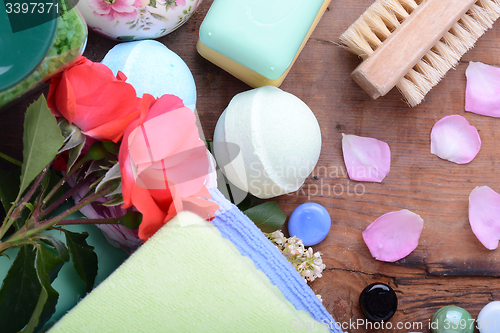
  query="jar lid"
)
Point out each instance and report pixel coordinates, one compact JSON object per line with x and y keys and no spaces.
{"x":25,"y":48}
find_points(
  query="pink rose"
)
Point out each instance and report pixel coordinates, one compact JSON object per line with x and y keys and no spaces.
{"x":164,"y":164}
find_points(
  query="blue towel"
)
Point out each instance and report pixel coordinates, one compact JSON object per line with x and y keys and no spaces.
{"x":251,"y":242}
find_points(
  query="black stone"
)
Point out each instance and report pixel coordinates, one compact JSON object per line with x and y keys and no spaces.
{"x":378,"y":302}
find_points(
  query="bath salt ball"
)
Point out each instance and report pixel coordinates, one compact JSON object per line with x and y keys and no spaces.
{"x":267,"y":142}
{"x":150,"y":67}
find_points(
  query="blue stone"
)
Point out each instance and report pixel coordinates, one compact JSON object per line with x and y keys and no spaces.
{"x":310,"y":222}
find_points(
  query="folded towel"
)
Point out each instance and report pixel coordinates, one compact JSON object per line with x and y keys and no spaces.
{"x":187,"y":278}
{"x":238,"y":228}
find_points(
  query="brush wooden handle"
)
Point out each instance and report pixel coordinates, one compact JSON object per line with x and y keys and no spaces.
{"x":390,"y":62}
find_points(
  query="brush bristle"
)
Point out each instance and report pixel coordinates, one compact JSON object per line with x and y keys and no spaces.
{"x":380,"y":20}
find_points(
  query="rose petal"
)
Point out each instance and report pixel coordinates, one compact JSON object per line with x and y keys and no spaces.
{"x":366,"y":159}
{"x":89,"y":96}
{"x":484,"y":216}
{"x":482,"y":95}
{"x":453,"y":139}
{"x":394,"y":235}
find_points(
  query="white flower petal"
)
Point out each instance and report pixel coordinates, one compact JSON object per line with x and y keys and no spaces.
{"x":453,"y":139}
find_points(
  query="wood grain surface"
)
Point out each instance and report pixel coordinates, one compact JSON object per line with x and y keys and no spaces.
{"x":450,"y":266}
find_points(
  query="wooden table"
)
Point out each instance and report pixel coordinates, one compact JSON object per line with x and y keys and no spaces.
{"x":450,"y":266}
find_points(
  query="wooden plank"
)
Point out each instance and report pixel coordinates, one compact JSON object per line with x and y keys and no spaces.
{"x":450,"y":266}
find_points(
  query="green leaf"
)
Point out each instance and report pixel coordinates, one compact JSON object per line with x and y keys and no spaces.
{"x":83,"y":257}
{"x":112,"y":174}
{"x":73,"y":136}
{"x":56,"y":243}
{"x":267,"y":216}
{"x":94,"y":167}
{"x":47,"y":266}
{"x":29,"y":205}
{"x":249,"y":202}
{"x":41,"y":140}
{"x":9,"y":187}
{"x":159,"y":17}
{"x":117,"y":191}
{"x":19,"y":292}
{"x":74,"y":153}
{"x":114,"y":201}
{"x":152,"y":3}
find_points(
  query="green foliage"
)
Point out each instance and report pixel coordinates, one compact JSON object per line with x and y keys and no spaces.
{"x":83,"y":257}
{"x":42,"y":139}
{"x":74,"y":153}
{"x":47,"y":266}
{"x":56,"y":244}
{"x":267,"y":216}
{"x":17,"y":301}
{"x":73,"y":136}
{"x":249,"y":202}
{"x":112,"y":175}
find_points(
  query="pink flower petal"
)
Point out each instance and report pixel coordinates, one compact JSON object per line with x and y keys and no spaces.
{"x":484,"y":216}
{"x":99,"y":6}
{"x":453,"y":139}
{"x":366,"y":159}
{"x":124,"y":6}
{"x":482,"y":95}
{"x":394,"y":235}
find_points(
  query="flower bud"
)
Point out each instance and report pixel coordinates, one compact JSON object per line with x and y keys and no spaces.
{"x":96,"y":151}
{"x":111,"y":147}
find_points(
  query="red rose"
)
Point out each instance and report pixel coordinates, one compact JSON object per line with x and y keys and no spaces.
{"x":88,"y":95}
{"x":164,"y":164}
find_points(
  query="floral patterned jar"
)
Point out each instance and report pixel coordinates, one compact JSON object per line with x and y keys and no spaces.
{"x":136,"y":19}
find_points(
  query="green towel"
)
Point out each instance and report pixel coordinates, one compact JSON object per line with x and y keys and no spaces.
{"x":186,"y":278}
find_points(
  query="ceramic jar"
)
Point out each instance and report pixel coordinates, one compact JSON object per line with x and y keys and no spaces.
{"x":129,"y":20}
{"x":46,"y":50}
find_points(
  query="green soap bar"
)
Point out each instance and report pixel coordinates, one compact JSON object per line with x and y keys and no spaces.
{"x":452,"y":319}
{"x":262,"y":35}
{"x":187,"y":278}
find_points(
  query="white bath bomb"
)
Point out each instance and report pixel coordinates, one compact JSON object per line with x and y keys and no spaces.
{"x":152,"y":68}
{"x":267,"y":142}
